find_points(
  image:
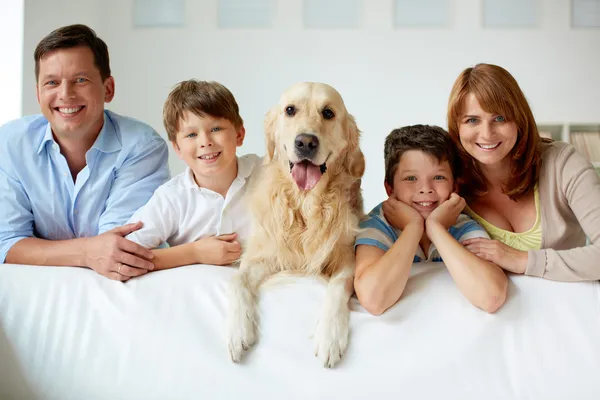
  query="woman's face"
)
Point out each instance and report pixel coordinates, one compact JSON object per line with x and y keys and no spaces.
{"x":488,"y":138}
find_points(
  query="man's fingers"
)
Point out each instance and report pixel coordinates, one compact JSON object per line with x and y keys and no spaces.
{"x":135,"y":249}
{"x":117,"y":277}
{"x":134,"y":261}
{"x":127,"y":229}
{"x":129,"y":271}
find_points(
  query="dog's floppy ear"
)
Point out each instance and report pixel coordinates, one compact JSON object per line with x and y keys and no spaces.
{"x":355,"y":160}
{"x":269,"y":125}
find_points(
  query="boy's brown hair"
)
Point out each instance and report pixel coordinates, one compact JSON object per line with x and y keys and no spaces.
{"x":429,"y":139}
{"x":201,"y":98}
{"x":74,"y":36}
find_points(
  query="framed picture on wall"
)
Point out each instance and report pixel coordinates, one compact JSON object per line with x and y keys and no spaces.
{"x":337,"y":14}
{"x":157,"y":13}
{"x":245,"y":13}
{"x":423,"y":13}
{"x":510,"y":13}
{"x":585,"y":13}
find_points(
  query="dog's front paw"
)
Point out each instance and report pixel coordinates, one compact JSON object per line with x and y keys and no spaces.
{"x":331,"y":339}
{"x":241,"y":335}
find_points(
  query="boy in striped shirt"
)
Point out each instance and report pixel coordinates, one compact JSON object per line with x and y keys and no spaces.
{"x":421,"y":221}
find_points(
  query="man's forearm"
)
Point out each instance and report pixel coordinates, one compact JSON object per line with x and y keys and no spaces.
{"x":34,"y":251}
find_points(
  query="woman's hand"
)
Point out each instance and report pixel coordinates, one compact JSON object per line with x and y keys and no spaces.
{"x":504,"y":256}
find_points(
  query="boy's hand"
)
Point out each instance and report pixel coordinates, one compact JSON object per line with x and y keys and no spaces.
{"x":218,"y":250}
{"x":400,"y":214}
{"x":446,"y":213}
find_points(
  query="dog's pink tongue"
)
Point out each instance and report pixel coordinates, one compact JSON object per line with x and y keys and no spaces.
{"x":306,"y":175}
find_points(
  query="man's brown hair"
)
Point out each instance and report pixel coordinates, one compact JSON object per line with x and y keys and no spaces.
{"x":73,"y":36}
{"x":201,"y":98}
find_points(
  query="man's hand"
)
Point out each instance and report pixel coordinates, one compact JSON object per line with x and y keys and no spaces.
{"x":504,"y":256}
{"x":218,"y":250}
{"x":115,"y":257}
{"x":400,"y":214}
{"x":446,"y":213}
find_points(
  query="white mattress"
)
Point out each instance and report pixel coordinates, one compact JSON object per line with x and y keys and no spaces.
{"x":67,"y":333}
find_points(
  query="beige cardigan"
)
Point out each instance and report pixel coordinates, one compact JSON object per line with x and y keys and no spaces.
{"x":569,"y":190}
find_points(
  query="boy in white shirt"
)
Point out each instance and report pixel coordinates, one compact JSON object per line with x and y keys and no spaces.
{"x":200,"y":213}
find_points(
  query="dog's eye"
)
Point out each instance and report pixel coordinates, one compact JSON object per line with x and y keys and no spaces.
{"x":290,"y":110}
{"x":328,"y":113}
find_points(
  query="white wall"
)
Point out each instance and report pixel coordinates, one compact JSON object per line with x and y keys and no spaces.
{"x":11,"y":55}
{"x":387,"y":77}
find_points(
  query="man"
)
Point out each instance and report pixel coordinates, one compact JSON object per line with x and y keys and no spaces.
{"x":71,"y":177}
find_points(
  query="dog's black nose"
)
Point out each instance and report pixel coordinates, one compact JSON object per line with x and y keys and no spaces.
{"x":306,"y":145}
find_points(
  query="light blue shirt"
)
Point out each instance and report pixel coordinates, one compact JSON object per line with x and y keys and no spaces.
{"x":38,"y":197}
{"x":377,"y":231}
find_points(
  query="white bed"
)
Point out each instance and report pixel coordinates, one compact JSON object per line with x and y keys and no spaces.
{"x":67,"y":333}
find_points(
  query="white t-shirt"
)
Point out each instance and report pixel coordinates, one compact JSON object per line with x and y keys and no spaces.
{"x":182,"y":212}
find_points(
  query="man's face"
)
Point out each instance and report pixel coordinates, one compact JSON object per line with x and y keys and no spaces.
{"x":71,"y":93}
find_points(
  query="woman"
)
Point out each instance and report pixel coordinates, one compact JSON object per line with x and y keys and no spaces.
{"x":537,"y":199}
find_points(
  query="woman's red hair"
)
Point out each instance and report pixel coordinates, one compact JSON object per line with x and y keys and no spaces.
{"x":497,"y":92}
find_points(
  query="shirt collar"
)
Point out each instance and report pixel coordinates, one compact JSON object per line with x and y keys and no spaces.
{"x":245,"y":167}
{"x":106,"y":142}
{"x":47,"y":138}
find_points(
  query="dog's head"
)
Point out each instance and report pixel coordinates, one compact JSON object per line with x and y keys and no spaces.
{"x":310,"y":132}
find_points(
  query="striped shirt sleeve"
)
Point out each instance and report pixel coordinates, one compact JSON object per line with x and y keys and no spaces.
{"x":467,"y":228}
{"x":375,"y":231}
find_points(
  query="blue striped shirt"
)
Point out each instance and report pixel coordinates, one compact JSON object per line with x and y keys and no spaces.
{"x":38,"y":197}
{"x":377,"y":231}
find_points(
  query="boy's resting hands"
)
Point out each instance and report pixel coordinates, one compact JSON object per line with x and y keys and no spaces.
{"x":446,"y":213}
{"x":400,"y":214}
{"x":218,"y":250}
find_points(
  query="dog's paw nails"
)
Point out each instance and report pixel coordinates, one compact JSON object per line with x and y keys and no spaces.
{"x":240,"y":340}
{"x":238,"y":347}
{"x":235,"y":350}
{"x":331,"y":341}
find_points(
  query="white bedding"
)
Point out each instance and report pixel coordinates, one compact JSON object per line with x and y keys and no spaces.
{"x":67,"y":333}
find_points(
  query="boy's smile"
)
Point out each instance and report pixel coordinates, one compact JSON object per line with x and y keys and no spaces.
{"x":208,"y":146}
{"x":422,"y":181}
{"x":210,"y":157}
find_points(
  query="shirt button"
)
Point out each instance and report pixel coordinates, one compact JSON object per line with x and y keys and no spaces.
{"x":76,"y":211}
{"x":55,"y":147}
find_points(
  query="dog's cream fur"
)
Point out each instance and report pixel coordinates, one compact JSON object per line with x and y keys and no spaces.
{"x":307,"y":232}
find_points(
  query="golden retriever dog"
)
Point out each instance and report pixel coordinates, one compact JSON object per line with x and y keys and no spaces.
{"x":306,"y":205}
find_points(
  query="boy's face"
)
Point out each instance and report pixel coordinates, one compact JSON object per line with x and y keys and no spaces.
{"x":71,"y":92}
{"x":421,"y":181}
{"x":208,"y":145}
